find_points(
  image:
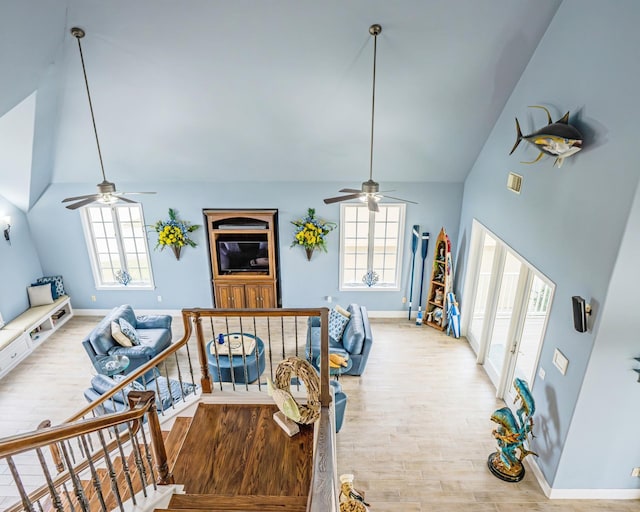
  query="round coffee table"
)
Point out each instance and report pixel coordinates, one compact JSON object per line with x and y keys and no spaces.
{"x":110,"y":365}
{"x":221,"y":368}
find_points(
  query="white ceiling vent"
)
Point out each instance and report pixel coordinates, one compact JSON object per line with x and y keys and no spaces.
{"x":514,"y":182}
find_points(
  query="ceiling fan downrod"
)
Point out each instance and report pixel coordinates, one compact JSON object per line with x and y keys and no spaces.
{"x":375,"y":31}
{"x":78,"y":33}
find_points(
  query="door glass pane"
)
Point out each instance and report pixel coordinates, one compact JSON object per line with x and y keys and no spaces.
{"x":482,"y":288}
{"x":506,"y":299}
{"x":538,"y":305}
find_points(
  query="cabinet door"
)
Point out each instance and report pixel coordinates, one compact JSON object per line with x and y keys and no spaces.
{"x":267,"y":296}
{"x":230,"y":296}
{"x":260,"y":296}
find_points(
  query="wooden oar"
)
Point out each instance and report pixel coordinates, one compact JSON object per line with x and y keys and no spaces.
{"x":415,"y":234}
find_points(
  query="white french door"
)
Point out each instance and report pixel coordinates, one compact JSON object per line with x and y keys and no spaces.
{"x":505,"y":318}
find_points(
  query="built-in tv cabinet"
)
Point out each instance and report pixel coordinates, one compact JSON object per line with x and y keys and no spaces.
{"x":244,"y":258}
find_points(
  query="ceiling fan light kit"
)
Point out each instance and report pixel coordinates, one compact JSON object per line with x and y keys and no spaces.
{"x":370,"y":190}
{"x":107,"y":193}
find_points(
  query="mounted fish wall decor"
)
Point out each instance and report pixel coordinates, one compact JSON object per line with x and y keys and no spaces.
{"x":558,"y":139}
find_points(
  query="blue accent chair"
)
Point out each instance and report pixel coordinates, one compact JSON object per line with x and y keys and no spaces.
{"x":154,"y":332}
{"x":340,"y":403}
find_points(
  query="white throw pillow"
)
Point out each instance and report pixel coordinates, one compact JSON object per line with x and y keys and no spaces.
{"x":119,"y":336}
{"x":40,"y":295}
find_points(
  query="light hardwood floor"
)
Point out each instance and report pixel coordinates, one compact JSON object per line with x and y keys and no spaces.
{"x":416,"y":432}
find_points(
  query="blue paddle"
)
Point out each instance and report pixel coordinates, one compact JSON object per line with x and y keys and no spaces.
{"x":415,"y":235}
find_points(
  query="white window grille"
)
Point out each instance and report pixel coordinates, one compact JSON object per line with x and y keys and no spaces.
{"x":371,"y":241}
{"x":117,"y":245}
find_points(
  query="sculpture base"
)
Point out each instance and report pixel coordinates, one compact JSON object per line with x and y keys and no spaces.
{"x":497,"y":468}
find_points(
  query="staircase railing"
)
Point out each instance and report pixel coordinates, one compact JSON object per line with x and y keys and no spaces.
{"x":106,"y":447}
{"x":277,"y":334}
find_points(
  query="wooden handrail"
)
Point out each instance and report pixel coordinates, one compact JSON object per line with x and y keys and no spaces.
{"x":323,"y":495}
{"x":20,"y":443}
{"x":140,"y":402}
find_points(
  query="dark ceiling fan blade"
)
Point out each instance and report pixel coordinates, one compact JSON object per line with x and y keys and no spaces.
{"x":126,"y":200}
{"x":400,"y":199}
{"x":372,"y":204}
{"x":350,"y":190}
{"x":342,"y":198}
{"x":77,"y":198}
{"x":82,"y":203}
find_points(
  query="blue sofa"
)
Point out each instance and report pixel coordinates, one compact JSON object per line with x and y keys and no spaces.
{"x":154,"y":332}
{"x":356,"y":339}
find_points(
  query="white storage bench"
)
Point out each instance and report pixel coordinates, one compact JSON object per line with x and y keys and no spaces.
{"x":24,"y":333}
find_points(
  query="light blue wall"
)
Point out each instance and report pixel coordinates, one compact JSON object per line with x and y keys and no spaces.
{"x":610,"y":394}
{"x":186,"y":283}
{"x":569,"y":222}
{"x":19,"y":262}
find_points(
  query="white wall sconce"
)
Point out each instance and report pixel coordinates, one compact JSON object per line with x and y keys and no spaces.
{"x":581,"y":312}
{"x":7,"y":230}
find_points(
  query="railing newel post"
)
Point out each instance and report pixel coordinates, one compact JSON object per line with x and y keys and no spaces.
{"x":205,"y":378}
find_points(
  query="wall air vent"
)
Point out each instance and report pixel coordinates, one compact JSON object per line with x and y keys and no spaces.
{"x":514,"y":182}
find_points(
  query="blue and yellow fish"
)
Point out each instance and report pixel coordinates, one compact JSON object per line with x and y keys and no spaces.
{"x":558,"y":139}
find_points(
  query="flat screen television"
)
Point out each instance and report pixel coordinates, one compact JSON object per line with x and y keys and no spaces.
{"x":236,"y":255}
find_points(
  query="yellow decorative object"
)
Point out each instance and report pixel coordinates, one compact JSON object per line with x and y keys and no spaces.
{"x":337,"y":361}
{"x":311,"y":233}
{"x":174,"y":233}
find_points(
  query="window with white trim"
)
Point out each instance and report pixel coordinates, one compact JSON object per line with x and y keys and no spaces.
{"x":117,"y":243}
{"x":371,"y":241}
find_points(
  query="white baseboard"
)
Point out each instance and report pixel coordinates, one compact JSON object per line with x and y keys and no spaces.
{"x":531,"y":464}
{"x":595,"y":494}
{"x":103,"y":312}
{"x":391,"y":314}
{"x":578,"y":494}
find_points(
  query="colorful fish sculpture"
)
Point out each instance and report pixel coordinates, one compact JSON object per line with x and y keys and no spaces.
{"x":558,"y":139}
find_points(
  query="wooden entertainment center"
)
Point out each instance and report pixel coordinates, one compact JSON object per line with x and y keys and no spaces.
{"x":244,"y":258}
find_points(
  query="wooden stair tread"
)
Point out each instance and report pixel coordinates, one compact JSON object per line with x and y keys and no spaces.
{"x":175,"y":437}
{"x":219,"y":503}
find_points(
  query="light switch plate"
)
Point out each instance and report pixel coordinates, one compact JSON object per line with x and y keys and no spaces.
{"x":560,"y":361}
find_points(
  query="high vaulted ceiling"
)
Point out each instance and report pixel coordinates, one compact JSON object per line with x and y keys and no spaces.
{"x":263,"y":89}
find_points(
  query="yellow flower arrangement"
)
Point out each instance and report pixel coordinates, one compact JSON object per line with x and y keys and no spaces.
{"x":174,"y":232}
{"x":311,"y":232}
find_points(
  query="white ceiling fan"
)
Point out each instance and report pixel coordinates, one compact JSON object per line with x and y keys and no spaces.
{"x":370,"y":190}
{"x":107,"y":193}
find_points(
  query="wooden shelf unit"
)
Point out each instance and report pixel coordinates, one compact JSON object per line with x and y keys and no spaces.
{"x":244,"y":258}
{"x":440,"y":283}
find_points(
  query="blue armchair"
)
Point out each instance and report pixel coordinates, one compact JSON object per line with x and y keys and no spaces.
{"x":154,"y":332}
